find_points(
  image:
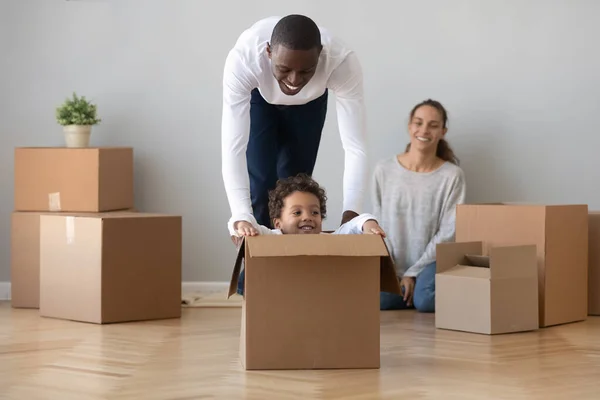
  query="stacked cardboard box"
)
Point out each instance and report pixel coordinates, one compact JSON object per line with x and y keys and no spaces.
{"x":560,"y":236}
{"x":79,"y":250}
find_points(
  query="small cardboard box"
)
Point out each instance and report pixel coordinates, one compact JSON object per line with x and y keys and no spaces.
{"x":73,"y":179}
{"x":312,"y":301}
{"x":486,"y":294}
{"x":25,"y":258}
{"x":594,"y":264}
{"x":560,"y":233}
{"x":110,"y":267}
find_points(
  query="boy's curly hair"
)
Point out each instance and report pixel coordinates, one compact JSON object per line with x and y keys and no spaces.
{"x":298,"y":183}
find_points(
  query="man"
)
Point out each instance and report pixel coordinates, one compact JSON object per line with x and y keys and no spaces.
{"x":275,"y":88}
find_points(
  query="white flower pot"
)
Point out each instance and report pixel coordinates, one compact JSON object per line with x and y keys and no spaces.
{"x":77,"y":135}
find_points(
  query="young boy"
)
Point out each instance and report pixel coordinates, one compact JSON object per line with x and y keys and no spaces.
{"x":297,"y":205}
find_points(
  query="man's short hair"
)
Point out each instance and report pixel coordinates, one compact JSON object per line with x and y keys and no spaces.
{"x":296,"y":32}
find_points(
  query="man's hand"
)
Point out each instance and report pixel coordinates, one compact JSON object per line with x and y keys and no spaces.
{"x":372,"y":227}
{"x":244,"y":228}
{"x":347,"y":216}
{"x":408,"y":288}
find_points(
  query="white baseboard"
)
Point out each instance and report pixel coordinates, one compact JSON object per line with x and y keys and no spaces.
{"x":204,"y":287}
{"x":186,"y":288}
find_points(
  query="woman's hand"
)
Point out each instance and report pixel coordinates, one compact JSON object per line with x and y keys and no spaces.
{"x":372,"y":227}
{"x":408,"y":288}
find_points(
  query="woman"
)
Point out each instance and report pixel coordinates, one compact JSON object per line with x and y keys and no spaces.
{"x":415,"y":198}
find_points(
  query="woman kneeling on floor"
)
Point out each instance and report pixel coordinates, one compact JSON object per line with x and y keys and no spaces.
{"x":415,"y":197}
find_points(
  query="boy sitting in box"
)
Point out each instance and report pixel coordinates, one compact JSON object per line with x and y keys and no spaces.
{"x":297,"y":205}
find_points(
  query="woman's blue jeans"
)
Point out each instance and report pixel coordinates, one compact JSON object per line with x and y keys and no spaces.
{"x":423,"y":296}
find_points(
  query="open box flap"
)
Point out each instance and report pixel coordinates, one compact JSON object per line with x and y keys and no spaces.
{"x":476,"y":260}
{"x":450,"y":254}
{"x":514,"y":261}
{"x":295,"y":245}
{"x":237,"y":268}
{"x":468,"y":271}
{"x":388,"y":280}
{"x":316,"y":245}
{"x":472,"y":266}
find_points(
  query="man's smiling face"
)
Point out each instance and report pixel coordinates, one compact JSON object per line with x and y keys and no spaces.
{"x":293,"y":69}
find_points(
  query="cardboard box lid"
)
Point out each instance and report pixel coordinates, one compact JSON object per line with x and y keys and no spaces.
{"x":451,"y":254}
{"x":271,"y":246}
{"x":504,"y":262}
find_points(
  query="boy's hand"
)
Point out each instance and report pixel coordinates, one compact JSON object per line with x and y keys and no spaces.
{"x":244,"y":228}
{"x":372,"y":227}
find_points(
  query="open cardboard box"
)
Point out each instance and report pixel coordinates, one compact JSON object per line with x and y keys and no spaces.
{"x":312,"y":301}
{"x":560,"y":233}
{"x":486,"y":294}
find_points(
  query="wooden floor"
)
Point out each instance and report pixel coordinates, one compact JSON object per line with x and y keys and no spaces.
{"x":196,"y":358}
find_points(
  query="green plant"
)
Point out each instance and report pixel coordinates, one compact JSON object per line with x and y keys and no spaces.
{"x":77,"y":111}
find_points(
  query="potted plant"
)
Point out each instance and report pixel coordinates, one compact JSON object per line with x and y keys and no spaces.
{"x":77,"y":115}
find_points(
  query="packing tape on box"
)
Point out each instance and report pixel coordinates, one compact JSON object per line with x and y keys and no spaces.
{"x":54,"y":201}
{"x":70,"y":231}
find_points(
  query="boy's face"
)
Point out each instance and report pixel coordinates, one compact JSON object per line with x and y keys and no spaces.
{"x":301,"y":214}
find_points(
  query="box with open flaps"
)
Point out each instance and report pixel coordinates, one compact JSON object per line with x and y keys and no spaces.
{"x":488,"y":294}
{"x":560,"y":233}
{"x":312,"y":301}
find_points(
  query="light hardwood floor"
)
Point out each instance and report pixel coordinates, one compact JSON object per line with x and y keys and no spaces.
{"x":196,"y":358}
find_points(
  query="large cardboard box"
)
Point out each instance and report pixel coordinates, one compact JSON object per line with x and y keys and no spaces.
{"x":312,"y":301}
{"x":110,"y":267}
{"x":25,"y":258}
{"x":73,"y":179}
{"x":594,"y":264}
{"x":560,"y":233}
{"x":486,"y":294}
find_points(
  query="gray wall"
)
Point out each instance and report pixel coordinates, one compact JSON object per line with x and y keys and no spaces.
{"x":520,"y":80}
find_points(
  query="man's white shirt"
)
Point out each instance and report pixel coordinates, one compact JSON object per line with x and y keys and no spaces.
{"x":248,"y":67}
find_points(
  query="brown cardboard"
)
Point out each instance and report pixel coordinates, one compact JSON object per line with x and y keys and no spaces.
{"x":73,"y":179}
{"x":560,"y":233}
{"x":492,"y":294}
{"x":110,"y":267}
{"x":594,"y":264}
{"x":25,"y":258}
{"x":312,"y":301}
